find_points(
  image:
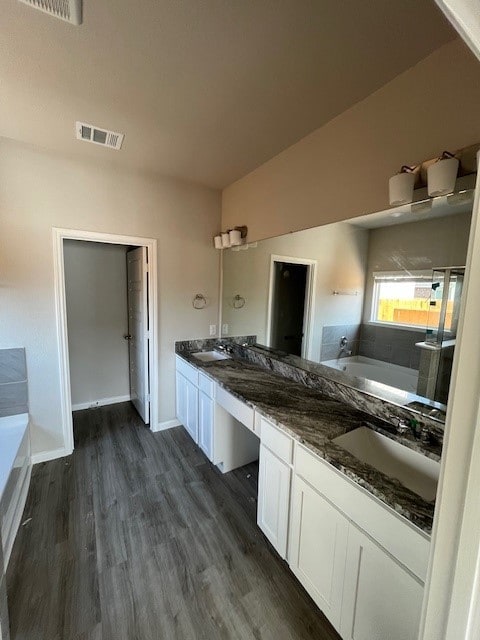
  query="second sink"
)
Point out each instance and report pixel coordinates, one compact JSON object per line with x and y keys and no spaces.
{"x":210,"y":356}
{"x":412,"y":469}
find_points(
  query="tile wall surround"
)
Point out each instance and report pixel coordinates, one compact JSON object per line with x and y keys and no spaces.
{"x":388,"y":344}
{"x":435,"y":373}
{"x":391,"y":344}
{"x":356,"y":392}
{"x":13,"y":382}
{"x":331,"y":336}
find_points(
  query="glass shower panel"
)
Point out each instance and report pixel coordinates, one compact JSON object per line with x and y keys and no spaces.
{"x":444,"y":306}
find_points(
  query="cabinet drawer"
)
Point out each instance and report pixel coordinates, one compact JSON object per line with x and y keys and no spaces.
{"x":402,"y":540}
{"x":235,"y":407}
{"x":206,"y":384}
{"x":189,"y":372}
{"x":278,"y":442}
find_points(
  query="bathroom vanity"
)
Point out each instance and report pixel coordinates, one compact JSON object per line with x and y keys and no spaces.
{"x":355,"y":536}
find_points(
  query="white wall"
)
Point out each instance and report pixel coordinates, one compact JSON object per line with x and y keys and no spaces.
{"x":341,"y":170}
{"x":39,"y":191}
{"x":340,"y":251}
{"x":97,"y":319}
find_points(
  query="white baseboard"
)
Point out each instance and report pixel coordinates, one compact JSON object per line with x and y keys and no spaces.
{"x":103,"y":402}
{"x":168,"y":424}
{"x":53,"y":454}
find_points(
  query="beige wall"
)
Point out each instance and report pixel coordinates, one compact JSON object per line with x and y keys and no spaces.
{"x":416,"y":246}
{"x":340,"y":253}
{"x":97,"y":319}
{"x":39,"y":191}
{"x":341,"y":170}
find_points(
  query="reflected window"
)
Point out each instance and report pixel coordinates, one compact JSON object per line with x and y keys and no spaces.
{"x":402,"y":299}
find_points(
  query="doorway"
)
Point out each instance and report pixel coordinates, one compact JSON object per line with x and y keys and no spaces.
{"x":290,"y":305}
{"x":139,"y":336}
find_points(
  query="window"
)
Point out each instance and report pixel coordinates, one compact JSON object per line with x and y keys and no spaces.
{"x":402,"y":298}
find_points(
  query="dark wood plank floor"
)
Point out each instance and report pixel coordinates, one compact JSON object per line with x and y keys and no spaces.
{"x":137,"y":536}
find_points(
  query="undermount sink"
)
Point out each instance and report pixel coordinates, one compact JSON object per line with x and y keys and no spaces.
{"x":210,"y":356}
{"x":412,"y":469}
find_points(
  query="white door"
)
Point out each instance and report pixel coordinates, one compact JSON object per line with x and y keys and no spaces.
{"x":273,"y":499}
{"x":318,"y":548}
{"x":137,"y":277}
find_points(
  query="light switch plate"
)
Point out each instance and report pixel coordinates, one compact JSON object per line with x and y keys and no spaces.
{"x":225,"y":329}
{"x":213,"y":329}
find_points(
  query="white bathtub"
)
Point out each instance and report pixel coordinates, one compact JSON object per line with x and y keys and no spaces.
{"x":377,"y":370}
{"x":15,"y":470}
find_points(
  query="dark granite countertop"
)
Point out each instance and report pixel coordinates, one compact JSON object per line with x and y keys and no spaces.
{"x":314,"y":419}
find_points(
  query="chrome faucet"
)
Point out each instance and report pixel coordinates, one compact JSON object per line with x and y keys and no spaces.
{"x":419,"y":431}
{"x":343,"y":347}
{"x":401,"y":425}
{"x":225,"y":347}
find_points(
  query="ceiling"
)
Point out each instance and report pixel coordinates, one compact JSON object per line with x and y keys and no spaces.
{"x":205,"y":90}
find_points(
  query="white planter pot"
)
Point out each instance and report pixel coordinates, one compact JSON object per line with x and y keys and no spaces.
{"x":400,"y":188}
{"x":441,"y":177}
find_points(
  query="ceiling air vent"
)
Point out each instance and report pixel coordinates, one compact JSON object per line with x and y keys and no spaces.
{"x":68,"y":10}
{"x":103,"y":137}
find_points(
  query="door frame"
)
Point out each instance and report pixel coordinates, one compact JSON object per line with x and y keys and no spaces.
{"x":59,"y":235}
{"x":308,"y":313}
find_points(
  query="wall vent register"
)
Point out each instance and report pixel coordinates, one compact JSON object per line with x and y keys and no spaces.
{"x":103,"y":137}
{"x":68,"y":10}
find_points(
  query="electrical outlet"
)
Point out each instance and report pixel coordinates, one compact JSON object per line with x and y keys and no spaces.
{"x":225,"y":329}
{"x":213,"y":329}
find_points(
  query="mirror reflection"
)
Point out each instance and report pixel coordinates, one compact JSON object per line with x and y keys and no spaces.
{"x":376,"y":297}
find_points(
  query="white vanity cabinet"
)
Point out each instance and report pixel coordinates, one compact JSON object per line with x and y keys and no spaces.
{"x":215,"y":418}
{"x":381,"y":598}
{"x":181,"y":398}
{"x":187,"y":405}
{"x":318,"y":548}
{"x":274,"y":481}
{"x":206,"y":414}
{"x":187,"y":397}
{"x":363,"y":565}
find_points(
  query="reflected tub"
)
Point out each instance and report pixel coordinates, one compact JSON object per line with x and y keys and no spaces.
{"x":377,"y":370}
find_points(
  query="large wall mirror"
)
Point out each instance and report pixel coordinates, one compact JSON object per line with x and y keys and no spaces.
{"x":375,"y":297}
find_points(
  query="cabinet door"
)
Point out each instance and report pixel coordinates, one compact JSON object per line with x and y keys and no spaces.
{"x":318,"y":548}
{"x":381,"y":598}
{"x":191,"y":423}
{"x":273,"y":499}
{"x":181,"y":398}
{"x":205,"y":424}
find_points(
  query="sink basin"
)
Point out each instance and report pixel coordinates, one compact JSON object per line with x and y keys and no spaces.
{"x":414,"y":470}
{"x":210,"y":356}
